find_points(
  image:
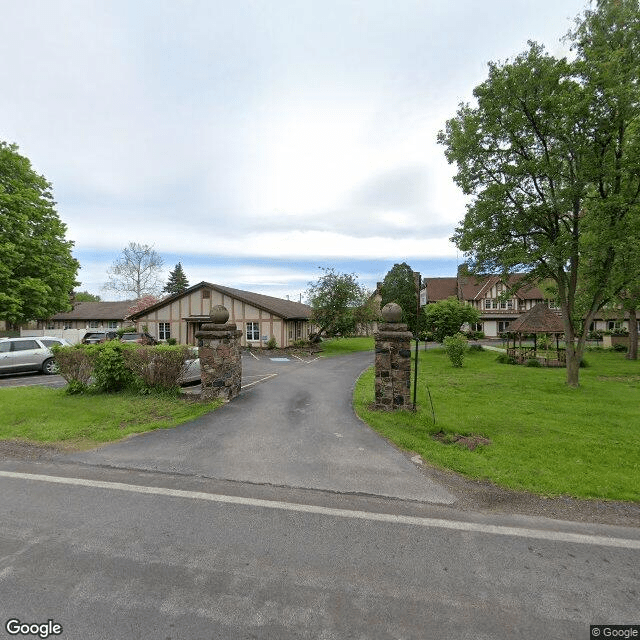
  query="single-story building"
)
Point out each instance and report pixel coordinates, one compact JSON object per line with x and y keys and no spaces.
{"x":258,"y":316}
{"x":90,"y":315}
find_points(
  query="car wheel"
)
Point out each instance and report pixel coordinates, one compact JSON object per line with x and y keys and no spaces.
{"x":49,"y":367}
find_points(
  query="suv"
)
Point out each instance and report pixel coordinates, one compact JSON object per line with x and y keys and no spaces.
{"x":95,"y":337}
{"x":29,"y":354}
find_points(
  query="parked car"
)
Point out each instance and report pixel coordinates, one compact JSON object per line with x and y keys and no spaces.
{"x":191,"y":372}
{"x":140,"y":338}
{"x":29,"y":354}
{"x":96,"y":337}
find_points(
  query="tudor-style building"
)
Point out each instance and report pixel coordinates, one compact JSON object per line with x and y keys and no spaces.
{"x":497,"y":308}
{"x":258,"y":316}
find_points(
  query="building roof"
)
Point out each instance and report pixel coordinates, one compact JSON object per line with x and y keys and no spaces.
{"x":539,"y":319}
{"x":286,"y":309}
{"x":96,"y":311}
{"x":474,"y":287}
{"x":441,"y":288}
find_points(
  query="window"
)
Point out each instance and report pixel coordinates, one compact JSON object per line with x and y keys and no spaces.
{"x":164,"y":330}
{"x":206,"y":294}
{"x":93,"y":324}
{"x":503,"y":326}
{"x":253,"y":331}
{"x":612,"y":325}
{"x":67,"y":325}
{"x":25,"y":345}
{"x":489,"y":304}
{"x":506,"y":304}
{"x":112,"y":324}
{"x":477,"y":326}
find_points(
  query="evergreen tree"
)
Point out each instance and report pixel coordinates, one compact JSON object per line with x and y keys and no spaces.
{"x":177,"y":282}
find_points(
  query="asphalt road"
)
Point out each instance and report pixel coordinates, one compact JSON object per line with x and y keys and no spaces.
{"x":282,"y":516}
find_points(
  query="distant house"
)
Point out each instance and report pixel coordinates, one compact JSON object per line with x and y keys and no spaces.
{"x":497,"y":307}
{"x":258,"y":316}
{"x":90,"y":315}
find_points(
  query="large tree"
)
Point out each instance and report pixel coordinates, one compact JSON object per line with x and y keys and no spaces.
{"x":137,"y":272}
{"x":446,"y":317}
{"x":37,"y":270}
{"x":400,"y":286}
{"x":550,"y":155}
{"x":337,"y":301}
{"x":177,"y":282}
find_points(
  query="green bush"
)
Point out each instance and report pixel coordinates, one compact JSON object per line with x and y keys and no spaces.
{"x":455,"y":346}
{"x":110,"y":372}
{"x":172,"y":341}
{"x":503,"y":358}
{"x":533,"y":362}
{"x":158,"y":367}
{"x":476,"y":347}
{"x":272,"y":343}
{"x":75,"y":365}
{"x":622,"y":348}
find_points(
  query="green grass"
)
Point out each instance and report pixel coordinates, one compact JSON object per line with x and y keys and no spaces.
{"x":45,"y":415}
{"x":546,"y":437}
{"x":342,"y":346}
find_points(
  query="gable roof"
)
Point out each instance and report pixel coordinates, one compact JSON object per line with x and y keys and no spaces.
{"x":96,"y":311}
{"x":474,"y":287}
{"x":286,"y":309}
{"x":539,"y":319}
{"x":441,"y":288}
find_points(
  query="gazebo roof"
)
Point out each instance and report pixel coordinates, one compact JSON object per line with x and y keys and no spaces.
{"x":539,"y":319}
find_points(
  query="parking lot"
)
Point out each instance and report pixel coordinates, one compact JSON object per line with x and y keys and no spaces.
{"x":256,"y":368}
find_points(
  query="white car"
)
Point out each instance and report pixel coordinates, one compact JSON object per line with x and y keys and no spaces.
{"x":29,"y":354}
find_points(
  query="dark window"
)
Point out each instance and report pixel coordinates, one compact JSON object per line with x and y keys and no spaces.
{"x":25,"y":345}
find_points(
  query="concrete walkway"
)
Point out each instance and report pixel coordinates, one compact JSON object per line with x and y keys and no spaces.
{"x":296,"y":429}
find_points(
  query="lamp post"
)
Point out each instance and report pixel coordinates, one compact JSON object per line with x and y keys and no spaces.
{"x":417,"y":279}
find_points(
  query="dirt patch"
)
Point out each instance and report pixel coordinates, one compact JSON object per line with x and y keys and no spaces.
{"x":471,"y":441}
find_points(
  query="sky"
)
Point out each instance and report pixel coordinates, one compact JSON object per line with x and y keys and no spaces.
{"x":256,"y":141}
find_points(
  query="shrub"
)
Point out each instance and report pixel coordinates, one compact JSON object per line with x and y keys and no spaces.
{"x":533,"y":362}
{"x":158,"y":367}
{"x":172,"y":341}
{"x":75,"y":365}
{"x":300,"y":343}
{"x":110,"y":371}
{"x":503,"y":358}
{"x":622,"y":348}
{"x":455,"y":346}
{"x":476,"y":347}
{"x":272,"y":343}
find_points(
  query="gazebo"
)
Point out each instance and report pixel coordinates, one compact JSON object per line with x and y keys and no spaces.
{"x":539,"y":319}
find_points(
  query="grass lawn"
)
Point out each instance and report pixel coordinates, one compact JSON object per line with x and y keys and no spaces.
{"x":545,"y":437}
{"x":341,"y":346}
{"x":44,"y":415}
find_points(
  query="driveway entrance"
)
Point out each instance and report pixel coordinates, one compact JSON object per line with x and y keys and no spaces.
{"x":297,"y":428}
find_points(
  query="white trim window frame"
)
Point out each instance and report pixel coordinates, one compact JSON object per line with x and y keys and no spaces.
{"x":164,"y":330}
{"x":253,"y":332}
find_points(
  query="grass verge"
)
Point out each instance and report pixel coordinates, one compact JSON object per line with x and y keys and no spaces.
{"x":342,"y":346}
{"x":545,"y":437}
{"x":44,"y":415}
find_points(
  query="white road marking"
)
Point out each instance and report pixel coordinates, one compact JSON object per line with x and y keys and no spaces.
{"x":436,"y":523}
{"x":246,"y":386}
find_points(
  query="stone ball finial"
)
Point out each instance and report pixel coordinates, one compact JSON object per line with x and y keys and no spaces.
{"x":392,"y":312}
{"x":219,"y":314}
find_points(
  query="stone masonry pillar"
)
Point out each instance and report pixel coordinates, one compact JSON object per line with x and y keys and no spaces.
{"x":393,"y":362}
{"x":220,"y":356}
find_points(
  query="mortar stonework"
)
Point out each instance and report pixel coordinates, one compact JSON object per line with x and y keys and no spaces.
{"x":220,"y":360}
{"x":393,"y":366}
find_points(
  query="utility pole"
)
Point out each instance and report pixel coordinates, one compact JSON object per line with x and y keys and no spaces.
{"x":418,"y":280}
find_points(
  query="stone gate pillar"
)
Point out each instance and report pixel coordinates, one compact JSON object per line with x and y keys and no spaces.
{"x":393,"y":362}
{"x":220,"y":356}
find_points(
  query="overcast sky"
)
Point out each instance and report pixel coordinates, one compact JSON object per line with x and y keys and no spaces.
{"x":255,"y":141}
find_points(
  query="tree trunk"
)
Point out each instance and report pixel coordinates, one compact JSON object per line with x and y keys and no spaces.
{"x":633,"y":334}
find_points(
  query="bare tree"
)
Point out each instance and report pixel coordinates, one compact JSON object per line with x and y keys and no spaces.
{"x":137,"y":272}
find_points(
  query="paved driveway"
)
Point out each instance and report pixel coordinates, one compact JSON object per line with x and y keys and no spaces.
{"x":296,"y":428}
